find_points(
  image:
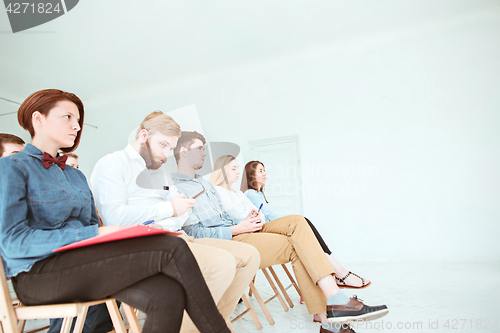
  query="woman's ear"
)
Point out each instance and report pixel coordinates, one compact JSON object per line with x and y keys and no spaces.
{"x":37,"y":119}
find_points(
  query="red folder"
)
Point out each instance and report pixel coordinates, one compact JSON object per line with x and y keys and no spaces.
{"x":125,"y":233}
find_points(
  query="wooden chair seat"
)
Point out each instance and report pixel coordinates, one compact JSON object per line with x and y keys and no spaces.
{"x":13,"y":314}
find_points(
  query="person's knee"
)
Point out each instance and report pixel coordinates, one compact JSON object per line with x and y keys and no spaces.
{"x":177,"y":241}
{"x":299,"y":219}
{"x":166,"y":243}
{"x":248,"y":256}
{"x":216,"y":265}
{"x":179,"y":245}
{"x":296,"y":221}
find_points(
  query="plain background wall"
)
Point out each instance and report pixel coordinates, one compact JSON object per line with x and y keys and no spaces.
{"x":398,"y":131}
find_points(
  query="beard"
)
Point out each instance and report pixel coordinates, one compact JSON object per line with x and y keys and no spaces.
{"x":147,"y":154}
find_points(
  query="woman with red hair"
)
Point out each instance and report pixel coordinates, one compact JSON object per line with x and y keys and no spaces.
{"x":44,"y":205}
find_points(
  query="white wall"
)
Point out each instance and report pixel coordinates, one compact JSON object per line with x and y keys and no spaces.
{"x":398,"y":132}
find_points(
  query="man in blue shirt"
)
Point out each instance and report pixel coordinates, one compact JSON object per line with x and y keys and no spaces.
{"x":279,"y":241}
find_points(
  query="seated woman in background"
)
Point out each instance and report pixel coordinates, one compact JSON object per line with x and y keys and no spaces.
{"x":253,"y":184}
{"x":45,"y":205}
{"x":225,"y":173}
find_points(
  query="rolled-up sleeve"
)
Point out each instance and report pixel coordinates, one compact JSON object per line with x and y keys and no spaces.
{"x":210,"y":228}
{"x":200,"y":231}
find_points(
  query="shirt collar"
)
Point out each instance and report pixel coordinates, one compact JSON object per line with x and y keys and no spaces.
{"x":181,"y":176}
{"x":134,"y":155}
{"x":33,"y":151}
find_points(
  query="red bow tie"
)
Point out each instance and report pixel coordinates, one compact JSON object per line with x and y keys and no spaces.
{"x":48,"y":160}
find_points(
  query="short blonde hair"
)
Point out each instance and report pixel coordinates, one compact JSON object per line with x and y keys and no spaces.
{"x":157,"y":121}
{"x":218,"y":175}
{"x":75,"y":156}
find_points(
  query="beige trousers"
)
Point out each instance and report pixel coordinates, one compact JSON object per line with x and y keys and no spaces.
{"x":290,"y":238}
{"x":228,"y":268}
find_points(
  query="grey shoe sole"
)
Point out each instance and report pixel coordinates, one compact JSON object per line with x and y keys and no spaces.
{"x":367,"y":316}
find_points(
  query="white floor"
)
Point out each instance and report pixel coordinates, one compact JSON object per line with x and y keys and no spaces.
{"x":421,"y":297}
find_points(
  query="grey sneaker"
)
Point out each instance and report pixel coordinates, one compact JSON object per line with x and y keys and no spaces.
{"x":354,"y":310}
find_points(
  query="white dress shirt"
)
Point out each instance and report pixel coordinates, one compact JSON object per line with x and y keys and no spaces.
{"x":127,"y":193}
{"x":235,"y":203}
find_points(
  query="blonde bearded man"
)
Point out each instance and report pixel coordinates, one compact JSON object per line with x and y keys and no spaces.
{"x":130,"y":187}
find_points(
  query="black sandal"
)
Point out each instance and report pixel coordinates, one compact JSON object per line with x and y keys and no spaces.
{"x":341,"y":282}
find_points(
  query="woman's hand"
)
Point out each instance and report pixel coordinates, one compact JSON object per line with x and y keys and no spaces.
{"x":107,"y":230}
{"x":247,"y":225}
{"x":253,"y":213}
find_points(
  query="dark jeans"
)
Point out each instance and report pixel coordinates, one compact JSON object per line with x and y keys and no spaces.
{"x":157,"y":275}
{"x":319,"y":238}
{"x":97,"y":321}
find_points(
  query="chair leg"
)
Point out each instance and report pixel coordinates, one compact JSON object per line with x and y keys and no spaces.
{"x":230,"y":326}
{"x":283,"y":289}
{"x":276,"y":291}
{"x":250,"y":291}
{"x":262,"y":304}
{"x":116,"y":316}
{"x":66,"y":324}
{"x":292,"y":280}
{"x":251,"y":311}
{"x":21,"y":325}
{"x":80,"y":319}
{"x":132,"y":318}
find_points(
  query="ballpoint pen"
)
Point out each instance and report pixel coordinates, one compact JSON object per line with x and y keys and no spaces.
{"x":147,"y":222}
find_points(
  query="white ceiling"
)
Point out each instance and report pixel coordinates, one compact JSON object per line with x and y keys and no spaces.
{"x":103,"y":47}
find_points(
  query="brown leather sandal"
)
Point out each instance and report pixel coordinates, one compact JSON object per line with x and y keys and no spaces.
{"x":341,"y":282}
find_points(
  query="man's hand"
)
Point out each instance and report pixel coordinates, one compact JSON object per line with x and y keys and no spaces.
{"x":247,"y":225}
{"x":181,"y":204}
{"x":107,"y":230}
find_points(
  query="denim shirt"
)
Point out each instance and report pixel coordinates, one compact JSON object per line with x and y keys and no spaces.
{"x":257,"y":198}
{"x":41,"y":209}
{"x":207,"y":218}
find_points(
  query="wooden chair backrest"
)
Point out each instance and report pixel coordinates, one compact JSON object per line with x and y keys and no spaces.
{"x":7,"y":313}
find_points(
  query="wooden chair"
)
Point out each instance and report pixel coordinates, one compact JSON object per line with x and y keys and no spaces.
{"x":250,"y":309}
{"x":22,"y":323}
{"x":268,"y":271}
{"x":132,"y":316}
{"x":284,"y":289}
{"x":276,"y":294}
{"x":12,"y":317}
